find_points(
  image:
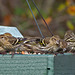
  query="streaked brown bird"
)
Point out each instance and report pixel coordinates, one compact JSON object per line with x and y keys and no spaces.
{"x":70,"y":39}
{"x":6,"y":46}
{"x":53,"y":45}
{"x":63,"y":46}
{"x":13,"y":40}
{"x":9,"y":37}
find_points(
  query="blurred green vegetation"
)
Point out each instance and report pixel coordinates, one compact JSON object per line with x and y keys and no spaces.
{"x":59,"y":14}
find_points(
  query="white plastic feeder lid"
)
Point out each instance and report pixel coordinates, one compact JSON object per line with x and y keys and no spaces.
{"x":12,"y":30}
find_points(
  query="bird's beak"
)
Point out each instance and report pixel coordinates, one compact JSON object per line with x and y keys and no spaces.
{"x":64,"y":49}
{"x":57,"y":42}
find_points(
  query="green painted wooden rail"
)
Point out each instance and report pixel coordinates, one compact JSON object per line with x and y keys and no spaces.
{"x":37,"y":65}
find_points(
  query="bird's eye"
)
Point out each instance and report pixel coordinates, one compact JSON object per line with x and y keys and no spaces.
{"x":58,"y":41}
{"x":54,"y":39}
{"x":1,"y":37}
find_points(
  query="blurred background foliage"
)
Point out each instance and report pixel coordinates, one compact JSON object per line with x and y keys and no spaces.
{"x":59,"y":14}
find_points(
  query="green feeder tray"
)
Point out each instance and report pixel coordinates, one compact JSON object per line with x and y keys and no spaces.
{"x":37,"y":65}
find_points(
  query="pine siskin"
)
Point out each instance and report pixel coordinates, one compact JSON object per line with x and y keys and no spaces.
{"x":63,"y":46}
{"x":7,"y":47}
{"x":13,"y":40}
{"x":70,"y":39}
{"x":9,"y":37}
{"x":53,"y":44}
